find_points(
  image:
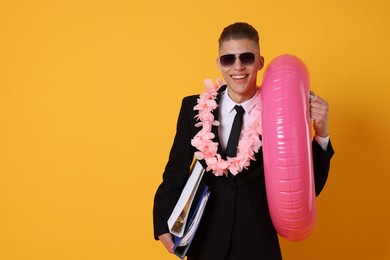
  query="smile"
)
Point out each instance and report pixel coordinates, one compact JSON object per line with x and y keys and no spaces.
{"x":239,"y":76}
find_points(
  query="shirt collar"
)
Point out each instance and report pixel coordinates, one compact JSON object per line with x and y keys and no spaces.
{"x":248,"y":105}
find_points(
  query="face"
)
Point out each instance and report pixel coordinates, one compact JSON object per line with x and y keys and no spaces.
{"x":240,"y":78}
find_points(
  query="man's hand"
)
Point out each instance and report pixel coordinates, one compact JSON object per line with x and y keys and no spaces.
{"x":167,"y":241}
{"x":319,"y":114}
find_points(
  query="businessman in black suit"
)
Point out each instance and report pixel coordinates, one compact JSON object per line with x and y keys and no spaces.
{"x":236,"y":224}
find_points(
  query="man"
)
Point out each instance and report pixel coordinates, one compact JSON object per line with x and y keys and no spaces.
{"x":236,"y":223}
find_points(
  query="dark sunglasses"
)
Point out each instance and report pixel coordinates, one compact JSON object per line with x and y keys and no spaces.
{"x":246,"y":58}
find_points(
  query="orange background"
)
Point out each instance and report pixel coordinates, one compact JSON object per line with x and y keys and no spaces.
{"x":89,"y":97}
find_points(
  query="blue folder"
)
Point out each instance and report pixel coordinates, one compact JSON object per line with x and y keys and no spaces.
{"x":201,"y":198}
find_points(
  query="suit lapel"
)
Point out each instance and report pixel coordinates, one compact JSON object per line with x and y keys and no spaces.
{"x":215,"y":128}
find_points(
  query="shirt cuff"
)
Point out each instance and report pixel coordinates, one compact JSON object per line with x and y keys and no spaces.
{"x":322,"y":141}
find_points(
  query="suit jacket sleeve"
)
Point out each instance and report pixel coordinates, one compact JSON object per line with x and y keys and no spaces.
{"x":321,"y":162}
{"x":177,"y":169}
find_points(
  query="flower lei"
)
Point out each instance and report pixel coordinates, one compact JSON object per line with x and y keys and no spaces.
{"x":207,"y":149}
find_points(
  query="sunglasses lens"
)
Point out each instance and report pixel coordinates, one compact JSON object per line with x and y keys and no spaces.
{"x":227,"y":60}
{"x":247,"y":58}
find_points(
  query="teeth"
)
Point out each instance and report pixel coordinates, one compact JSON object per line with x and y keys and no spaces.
{"x":239,"y":76}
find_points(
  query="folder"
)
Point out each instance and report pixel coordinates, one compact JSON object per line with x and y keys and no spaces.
{"x":182,"y":244}
{"x":178,"y":219}
{"x":188,"y":211}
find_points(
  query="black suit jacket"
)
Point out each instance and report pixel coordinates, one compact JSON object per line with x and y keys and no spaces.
{"x":237,"y":211}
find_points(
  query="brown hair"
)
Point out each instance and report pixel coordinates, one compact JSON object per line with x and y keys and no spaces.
{"x":238,"y":31}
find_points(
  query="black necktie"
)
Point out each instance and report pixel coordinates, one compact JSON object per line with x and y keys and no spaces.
{"x":231,"y":148}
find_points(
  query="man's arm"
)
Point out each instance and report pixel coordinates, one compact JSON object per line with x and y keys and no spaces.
{"x":321,"y":162}
{"x":322,"y":147}
{"x":175,"y":175}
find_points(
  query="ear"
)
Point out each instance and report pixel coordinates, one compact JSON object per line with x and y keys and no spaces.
{"x":219,"y":65}
{"x":261,"y":61}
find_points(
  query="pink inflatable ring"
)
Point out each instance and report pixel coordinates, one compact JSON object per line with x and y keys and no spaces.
{"x":288,"y":163}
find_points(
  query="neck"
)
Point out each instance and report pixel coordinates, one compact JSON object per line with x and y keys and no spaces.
{"x":242,"y":98}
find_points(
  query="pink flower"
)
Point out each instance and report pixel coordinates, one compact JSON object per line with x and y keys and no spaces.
{"x":205,"y":105}
{"x":209,"y":84}
{"x":201,"y":140}
{"x":205,"y":116}
{"x":217,"y":165}
{"x":199,"y":155}
{"x":235,"y":167}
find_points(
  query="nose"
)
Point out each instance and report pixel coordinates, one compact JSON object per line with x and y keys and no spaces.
{"x":237,"y":64}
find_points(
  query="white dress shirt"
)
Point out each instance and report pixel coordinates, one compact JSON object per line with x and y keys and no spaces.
{"x":227,"y":114}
